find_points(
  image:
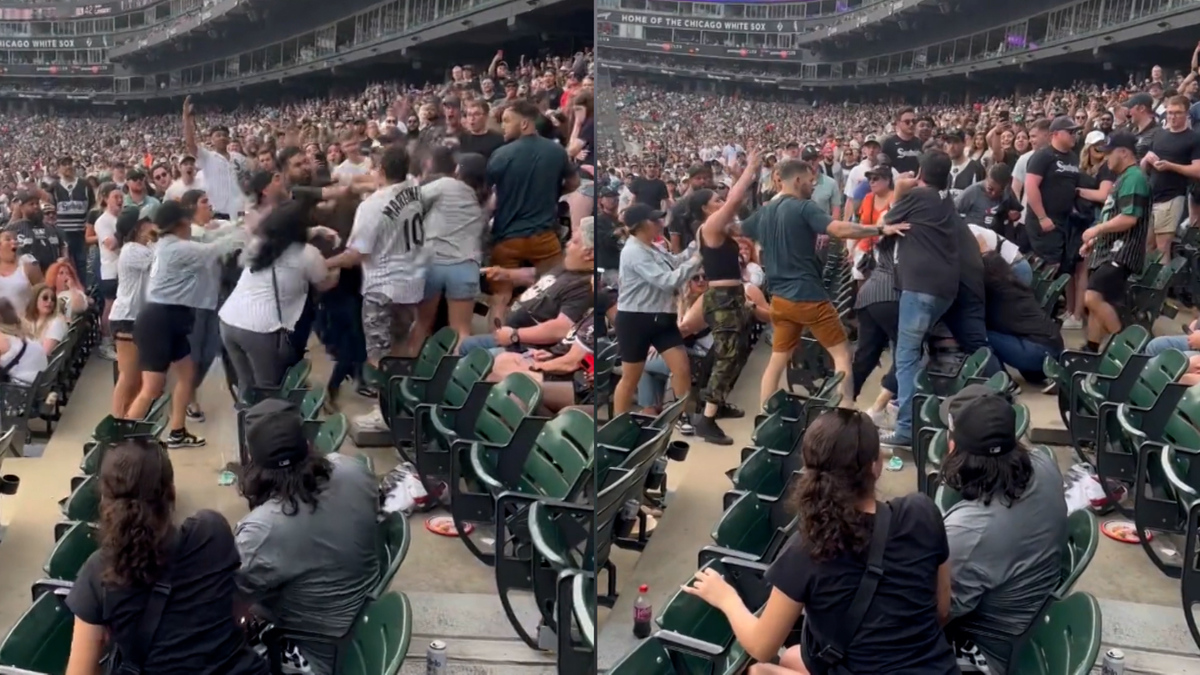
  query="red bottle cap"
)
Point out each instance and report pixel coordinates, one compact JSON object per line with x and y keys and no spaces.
{"x":643,"y":588}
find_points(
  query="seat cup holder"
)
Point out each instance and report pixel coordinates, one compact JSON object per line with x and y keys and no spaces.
{"x":677,"y":451}
{"x":9,"y":484}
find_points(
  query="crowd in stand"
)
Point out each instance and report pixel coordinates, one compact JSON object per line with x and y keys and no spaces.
{"x":718,"y":211}
{"x":245,"y":233}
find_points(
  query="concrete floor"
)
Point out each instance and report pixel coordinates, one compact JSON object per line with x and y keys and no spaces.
{"x":453,"y":595}
{"x":1143,"y":613}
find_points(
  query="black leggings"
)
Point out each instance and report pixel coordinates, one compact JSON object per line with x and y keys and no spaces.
{"x":878,"y":324}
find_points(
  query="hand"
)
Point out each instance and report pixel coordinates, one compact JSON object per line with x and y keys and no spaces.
{"x":1046,"y":223}
{"x":1152,"y":158}
{"x":188,"y":109}
{"x":1162,"y":165}
{"x":503,"y":336}
{"x":540,"y":355}
{"x":1091,"y":233}
{"x":898,"y":229}
{"x":1193,"y":341}
{"x":495,"y":273}
{"x":754,"y":159}
{"x":713,"y":589}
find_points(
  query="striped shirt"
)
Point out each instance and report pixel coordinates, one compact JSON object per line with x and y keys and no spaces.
{"x":881,"y":285}
{"x":71,"y":203}
{"x":254,"y":304}
{"x":1130,"y":196}
{"x":222,"y":180}
{"x":133,"y":271}
{"x":389,"y":231}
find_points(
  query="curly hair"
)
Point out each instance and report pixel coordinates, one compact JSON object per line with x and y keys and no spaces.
{"x":840,"y":449}
{"x":137,"y":499}
{"x":975,"y":477}
{"x":303,"y":482}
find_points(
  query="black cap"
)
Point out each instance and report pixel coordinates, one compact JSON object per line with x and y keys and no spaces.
{"x":953,"y":136}
{"x":135,"y":174}
{"x":275,"y":434}
{"x":169,"y":213}
{"x":810,"y":152}
{"x":1119,"y":139}
{"x":638,"y":214}
{"x":790,"y":145}
{"x":697,"y":169}
{"x":981,"y":421}
{"x":1063,"y":123}
{"x":24,"y":196}
{"x":1140,"y":99}
{"x":879,"y":171}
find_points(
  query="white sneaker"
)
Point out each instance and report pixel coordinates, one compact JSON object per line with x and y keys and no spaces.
{"x":372,"y":421}
{"x":886,"y":418}
{"x":1072,"y":323}
{"x":107,"y":351}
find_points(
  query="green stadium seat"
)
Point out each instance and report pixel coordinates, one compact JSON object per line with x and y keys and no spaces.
{"x":40,"y":641}
{"x":1066,"y":641}
{"x":394,"y":539}
{"x":331,"y":434}
{"x":73,"y":549}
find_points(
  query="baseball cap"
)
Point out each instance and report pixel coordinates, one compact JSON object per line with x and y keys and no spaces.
{"x":23,"y":196}
{"x":275,"y":434}
{"x":1140,"y":99}
{"x":169,"y":214}
{"x":640,"y":213}
{"x":1120,"y":139}
{"x":1063,"y":123}
{"x":810,"y":152}
{"x":608,"y":191}
{"x":981,"y":420}
{"x":953,"y":136}
{"x":1095,"y":136}
{"x":697,"y":169}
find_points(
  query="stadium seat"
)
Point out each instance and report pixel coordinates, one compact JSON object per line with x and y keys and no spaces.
{"x":634,"y":439}
{"x":468,"y":371}
{"x":1052,"y":295}
{"x":377,"y":644}
{"x":40,"y":641}
{"x":576,"y":622}
{"x":1083,"y":538}
{"x":83,"y":504}
{"x":313,"y":402}
{"x":71,"y":550}
{"x":394,"y":539}
{"x":1066,"y":641}
{"x":1146,"y":297}
{"x":424,"y":366}
{"x":1072,"y":366}
{"x":794,"y":407}
{"x":331,"y":434}
{"x":765,"y":473}
{"x":753,"y":527}
{"x":291,"y":389}
{"x":1137,"y":377}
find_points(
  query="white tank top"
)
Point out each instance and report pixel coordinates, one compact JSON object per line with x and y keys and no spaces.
{"x":16,"y":288}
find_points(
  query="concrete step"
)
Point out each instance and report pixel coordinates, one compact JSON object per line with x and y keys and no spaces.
{"x":479,"y":639}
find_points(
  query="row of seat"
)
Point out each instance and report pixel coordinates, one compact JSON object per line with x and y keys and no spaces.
{"x":40,"y":640}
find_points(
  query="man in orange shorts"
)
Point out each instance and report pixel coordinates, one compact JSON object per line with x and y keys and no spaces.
{"x":530,"y":174}
{"x":787,"y":229}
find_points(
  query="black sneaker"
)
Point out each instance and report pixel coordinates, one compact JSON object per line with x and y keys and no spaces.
{"x":195,"y":414}
{"x":366,"y":391}
{"x":708,"y":430}
{"x":184,"y":439}
{"x":728,"y":411}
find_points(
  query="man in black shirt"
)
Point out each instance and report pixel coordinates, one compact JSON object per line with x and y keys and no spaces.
{"x":650,"y":189}
{"x":964,"y":171}
{"x":680,"y":224}
{"x":904,"y":147}
{"x":608,"y":243}
{"x":1142,"y":122}
{"x":991,"y":203}
{"x":34,"y":236}
{"x":1174,"y":161}
{"x":476,"y":137}
{"x":1050,"y":181}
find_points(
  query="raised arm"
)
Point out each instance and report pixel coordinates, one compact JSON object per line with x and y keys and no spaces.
{"x":717,"y":223}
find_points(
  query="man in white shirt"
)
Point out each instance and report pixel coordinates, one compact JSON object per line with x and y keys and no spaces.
{"x":222,"y":167}
{"x":355,"y":163}
{"x":189,"y":179}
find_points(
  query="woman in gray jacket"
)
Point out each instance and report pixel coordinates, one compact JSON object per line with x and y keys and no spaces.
{"x":646,"y":308}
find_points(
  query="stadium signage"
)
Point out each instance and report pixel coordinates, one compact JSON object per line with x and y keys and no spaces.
{"x":47,"y":43}
{"x":692,"y":23}
{"x":688,"y":49}
{"x":68,"y":71}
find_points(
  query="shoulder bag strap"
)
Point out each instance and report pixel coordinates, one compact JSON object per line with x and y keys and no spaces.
{"x":278,"y":305}
{"x":151,"y":616}
{"x":5,"y":370}
{"x":833,"y":652}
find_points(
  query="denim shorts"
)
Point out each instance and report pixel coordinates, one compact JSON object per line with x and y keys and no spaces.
{"x":454,"y":281}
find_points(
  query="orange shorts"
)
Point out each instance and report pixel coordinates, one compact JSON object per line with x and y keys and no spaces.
{"x":791,"y":318}
{"x":532,"y":250}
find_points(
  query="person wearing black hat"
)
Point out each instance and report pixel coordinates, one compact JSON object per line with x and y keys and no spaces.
{"x":904,"y":147}
{"x":1115,"y":247}
{"x":826,"y":193}
{"x":1143,"y":123}
{"x":36,"y":236}
{"x":1051,"y":178}
{"x":137,"y":192}
{"x":1006,"y":534}
{"x":309,"y":544}
{"x":647,"y":315}
{"x":1173,"y":162}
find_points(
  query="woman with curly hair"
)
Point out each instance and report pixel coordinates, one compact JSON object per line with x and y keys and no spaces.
{"x":140,"y":548}
{"x":820,"y":571}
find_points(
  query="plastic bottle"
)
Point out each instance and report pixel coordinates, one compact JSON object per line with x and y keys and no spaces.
{"x":642,"y":613}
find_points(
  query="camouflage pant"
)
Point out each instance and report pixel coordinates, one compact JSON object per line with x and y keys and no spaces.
{"x":385,"y":324}
{"x":725,"y":314}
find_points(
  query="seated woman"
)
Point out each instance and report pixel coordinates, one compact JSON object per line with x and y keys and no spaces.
{"x":44,"y":321}
{"x":1019,"y":332}
{"x":72,"y":300}
{"x":21,"y":358}
{"x":140,"y":547}
{"x":821,"y":569}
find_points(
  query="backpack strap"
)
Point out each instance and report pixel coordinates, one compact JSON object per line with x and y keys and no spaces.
{"x":834,"y":651}
{"x":151,"y":616}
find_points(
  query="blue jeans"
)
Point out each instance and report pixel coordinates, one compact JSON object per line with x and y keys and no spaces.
{"x":1026,"y":356}
{"x":77,"y":249}
{"x":1161,"y":344}
{"x":1023,"y":271}
{"x":206,"y":342}
{"x":653,"y":382}
{"x":918,"y":313}
{"x":967,"y":321}
{"x":473,"y":342}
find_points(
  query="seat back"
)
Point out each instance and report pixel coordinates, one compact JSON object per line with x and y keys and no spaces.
{"x":745,"y":526}
{"x":296,"y":376}
{"x":435,"y":348}
{"x":1159,"y":371}
{"x":331,"y":434}
{"x":626,"y":483}
{"x":1079,"y":549}
{"x":692,"y":617}
{"x":513,"y":399}
{"x":310,"y":407}
{"x":83,"y":504}
{"x":775,"y":433}
{"x":380,"y":638}
{"x":939,"y":447}
{"x":1122,"y":346}
{"x":972,"y":367}
{"x":40,"y":641}
{"x":70,"y":552}
{"x":561,"y":457}
{"x":393,"y":541}
{"x":468,"y":371}
{"x":1066,"y":641}
{"x":671,"y":414}
{"x":761,"y":472}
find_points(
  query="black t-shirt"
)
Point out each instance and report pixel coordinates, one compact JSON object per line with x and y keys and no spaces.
{"x":928,"y":255}
{"x":1179,"y":148}
{"x":484,"y":144}
{"x":1145,"y":137}
{"x":197,"y":634}
{"x":965,"y":175}
{"x":970,"y":261}
{"x":905,"y":155}
{"x":680,"y":222}
{"x":649,"y":191}
{"x":1060,"y":177}
{"x":608,"y":247}
{"x":559,"y":291}
{"x":37,"y":239}
{"x":900,"y":634}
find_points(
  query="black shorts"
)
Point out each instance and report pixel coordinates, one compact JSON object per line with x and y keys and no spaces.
{"x":637,"y":332}
{"x":108,"y":289}
{"x":121,"y":330}
{"x":1059,"y":246}
{"x":1109,"y":281}
{"x":161,"y":335}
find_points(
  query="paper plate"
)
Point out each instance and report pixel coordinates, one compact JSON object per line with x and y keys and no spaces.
{"x":444,"y":525}
{"x":1122,"y":531}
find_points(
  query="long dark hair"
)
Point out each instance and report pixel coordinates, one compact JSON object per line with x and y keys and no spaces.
{"x":696,"y":203}
{"x":997,"y":273}
{"x":440,"y":162}
{"x":976,"y":477}
{"x":840,"y":449}
{"x":285,"y":225}
{"x":472,"y":170}
{"x":137,"y":499}
{"x":292,"y":485}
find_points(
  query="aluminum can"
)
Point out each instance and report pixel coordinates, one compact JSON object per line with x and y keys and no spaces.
{"x":1114,"y":662}
{"x":435,"y":658}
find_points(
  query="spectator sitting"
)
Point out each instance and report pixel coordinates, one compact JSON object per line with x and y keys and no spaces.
{"x":820,"y":571}
{"x":308,"y":545}
{"x":21,"y":359}
{"x":139,"y":547}
{"x":1018,"y":330}
{"x":1007,"y":533}
{"x":44,"y":321}
{"x":71,"y":298}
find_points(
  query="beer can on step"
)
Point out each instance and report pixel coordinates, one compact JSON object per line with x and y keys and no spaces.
{"x":1114,"y":662}
{"x":435,"y":658}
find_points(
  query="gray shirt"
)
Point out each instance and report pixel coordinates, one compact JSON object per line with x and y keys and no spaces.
{"x":313,"y":570}
{"x":454,"y":221}
{"x":183,"y":271}
{"x":826,"y":194}
{"x":1005,"y":561}
{"x":650,"y":277}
